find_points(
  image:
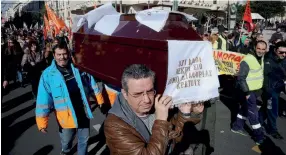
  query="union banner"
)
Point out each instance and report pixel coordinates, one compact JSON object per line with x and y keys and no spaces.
{"x":227,"y":62}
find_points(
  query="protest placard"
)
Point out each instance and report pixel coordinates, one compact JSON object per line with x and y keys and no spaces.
{"x":227,"y":62}
{"x":192,"y":74}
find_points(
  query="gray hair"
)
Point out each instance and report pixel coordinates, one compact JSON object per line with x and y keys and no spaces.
{"x":136,"y":71}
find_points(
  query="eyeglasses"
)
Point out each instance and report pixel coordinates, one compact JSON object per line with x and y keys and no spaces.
{"x":149,"y":93}
{"x":280,"y":52}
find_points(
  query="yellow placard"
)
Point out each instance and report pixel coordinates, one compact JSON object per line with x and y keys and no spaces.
{"x":227,"y":62}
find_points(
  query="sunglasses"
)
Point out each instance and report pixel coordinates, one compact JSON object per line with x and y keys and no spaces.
{"x":281,"y":52}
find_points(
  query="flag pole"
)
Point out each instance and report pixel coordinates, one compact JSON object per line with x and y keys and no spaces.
{"x":241,"y":32}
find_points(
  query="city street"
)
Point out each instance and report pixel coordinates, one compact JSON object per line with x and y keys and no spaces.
{"x":20,"y":135}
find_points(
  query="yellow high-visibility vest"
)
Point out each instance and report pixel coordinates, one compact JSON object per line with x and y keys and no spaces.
{"x":215,"y":45}
{"x":254,"y":78}
{"x":223,"y":44}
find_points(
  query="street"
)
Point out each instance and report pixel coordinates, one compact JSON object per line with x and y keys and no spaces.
{"x":20,"y":135}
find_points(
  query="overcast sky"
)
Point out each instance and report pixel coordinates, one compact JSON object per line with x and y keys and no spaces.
{"x":6,"y":4}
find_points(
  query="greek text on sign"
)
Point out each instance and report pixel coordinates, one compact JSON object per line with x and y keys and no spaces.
{"x":227,"y":62}
{"x":192,"y":74}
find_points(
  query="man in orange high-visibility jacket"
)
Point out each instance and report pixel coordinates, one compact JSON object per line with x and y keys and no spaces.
{"x":64,"y":89}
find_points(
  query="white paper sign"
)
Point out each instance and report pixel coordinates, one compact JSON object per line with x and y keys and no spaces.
{"x":152,"y":18}
{"x":107,"y":24}
{"x":192,"y":74}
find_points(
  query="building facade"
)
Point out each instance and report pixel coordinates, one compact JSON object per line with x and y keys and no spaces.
{"x":66,"y":9}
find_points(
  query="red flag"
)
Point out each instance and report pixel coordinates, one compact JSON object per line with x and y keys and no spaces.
{"x":56,"y":22}
{"x":46,"y":26}
{"x":247,"y":13}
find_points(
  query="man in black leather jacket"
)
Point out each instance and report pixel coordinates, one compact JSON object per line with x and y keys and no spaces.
{"x":274,"y":83}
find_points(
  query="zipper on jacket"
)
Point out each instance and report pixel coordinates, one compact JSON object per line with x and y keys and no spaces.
{"x":68,"y":97}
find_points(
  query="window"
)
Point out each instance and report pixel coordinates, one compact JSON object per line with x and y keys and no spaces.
{"x":215,"y":2}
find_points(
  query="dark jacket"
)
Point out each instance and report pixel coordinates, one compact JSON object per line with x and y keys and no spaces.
{"x":243,"y":49}
{"x":242,"y":75}
{"x":275,"y":36}
{"x":231,"y":46}
{"x":12,"y":61}
{"x":126,"y":133}
{"x":274,"y":73}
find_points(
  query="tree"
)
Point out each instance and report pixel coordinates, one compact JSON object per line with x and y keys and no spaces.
{"x":267,"y":9}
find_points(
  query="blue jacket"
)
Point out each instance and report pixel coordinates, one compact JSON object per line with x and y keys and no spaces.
{"x":53,"y":95}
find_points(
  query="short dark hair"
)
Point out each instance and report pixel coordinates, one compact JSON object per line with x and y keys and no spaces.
{"x":280,"y":44}
{"x":259,"y":34}
{"x":136,"y":71}
{"x":261,"y":41}
{"x":60,"y":46}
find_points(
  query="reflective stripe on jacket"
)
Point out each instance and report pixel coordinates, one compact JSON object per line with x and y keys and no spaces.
{"x":53,"y":95}
{"x":112,"y":93}
{"x":254,"y":78}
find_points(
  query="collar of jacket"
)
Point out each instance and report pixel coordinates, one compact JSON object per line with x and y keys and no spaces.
{"x":122,"y":110}
{"x":53,"y":66}
{"x":275,"y":58}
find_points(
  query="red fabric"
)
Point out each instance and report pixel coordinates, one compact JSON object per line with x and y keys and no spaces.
{"x":56,"y":22}
{"x":247,"y":14}
{"x":46,"y":27}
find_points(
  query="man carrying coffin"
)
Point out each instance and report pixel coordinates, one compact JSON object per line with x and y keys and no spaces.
{"x":250,"y":80}
{"x":134,"y":128}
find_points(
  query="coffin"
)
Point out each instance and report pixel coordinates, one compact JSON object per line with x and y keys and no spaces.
{"x":106,"y":57}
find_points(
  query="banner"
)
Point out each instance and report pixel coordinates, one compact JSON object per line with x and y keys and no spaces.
{"x":227,"y":62}
{"x":192,"y":74}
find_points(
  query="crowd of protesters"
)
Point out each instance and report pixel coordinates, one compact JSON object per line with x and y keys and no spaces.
{"x":29,"y":58}
{"x":262,"y":73}
{"x":25,"y":54}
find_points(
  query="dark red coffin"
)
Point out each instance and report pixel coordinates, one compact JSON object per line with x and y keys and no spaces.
{"x":105,"y":57}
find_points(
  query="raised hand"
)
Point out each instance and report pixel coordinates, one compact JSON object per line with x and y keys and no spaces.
{"x":162,"y":106}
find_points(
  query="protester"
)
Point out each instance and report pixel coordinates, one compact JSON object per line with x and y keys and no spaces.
{"x":272,"y":46}
{"x":48,"y":57}
{"x":275,"y":36}
{"x":244,"y":47}
{"x":62,"y":38}
{"x":222,"y":41}
{"x":64,"y":88}
{"x":250,"y":80}
{"x":274,"y":83}
{"x":131,"y":123}
{"x":32,"y":61}
{"x":214,"y":41}
{"x":12,"y":53}
{"x":230,"y":43}
{"x":206,"y":37}
{"x":255,"y":37}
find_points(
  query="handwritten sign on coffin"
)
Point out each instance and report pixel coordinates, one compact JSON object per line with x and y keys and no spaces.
{"x":192,"y":74}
